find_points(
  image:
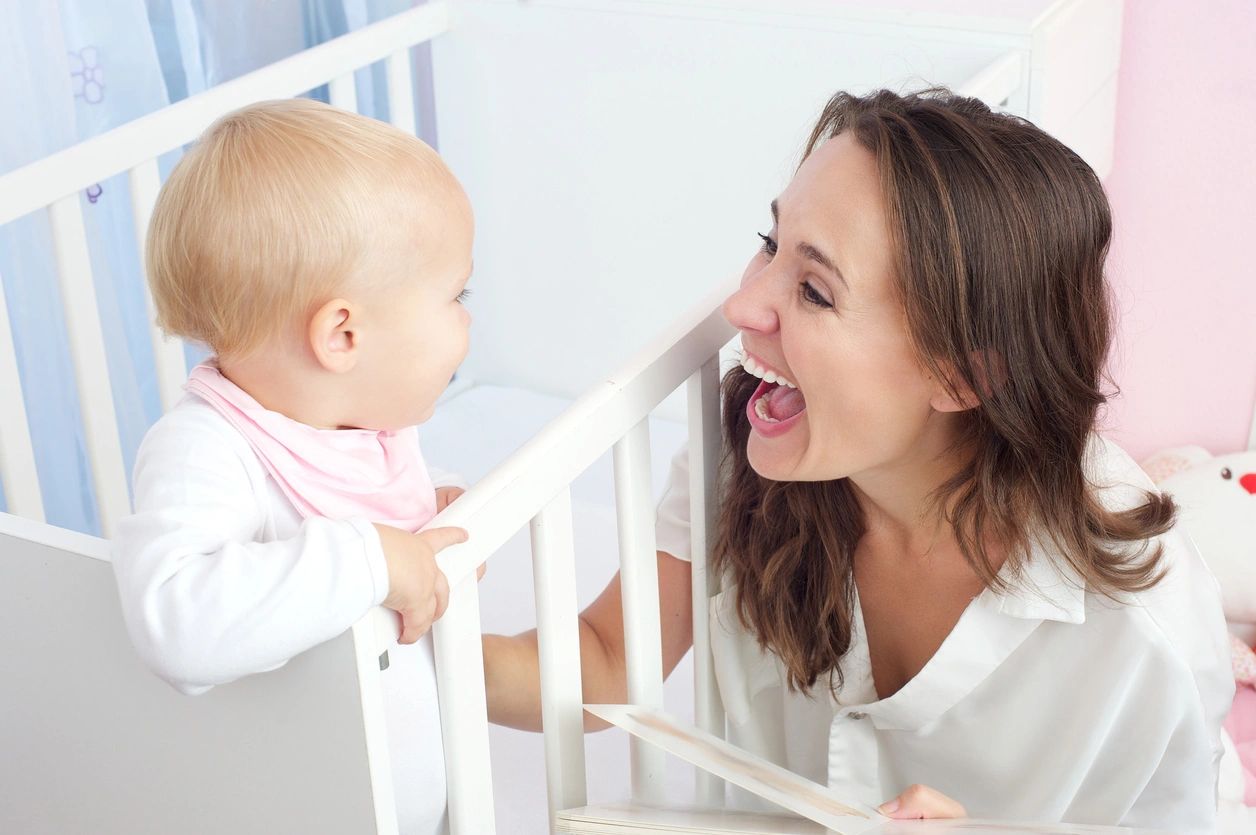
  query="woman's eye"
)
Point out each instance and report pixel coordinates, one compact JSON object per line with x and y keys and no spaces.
{"x":812,"y":296}
{"x":769,"y":245}
{"x":463,"y":296}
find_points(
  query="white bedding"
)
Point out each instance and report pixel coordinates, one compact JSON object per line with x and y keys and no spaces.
{"x":471,"y":432}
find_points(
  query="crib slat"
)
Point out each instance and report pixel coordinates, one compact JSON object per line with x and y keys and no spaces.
{"x":18,"y":475}
{"x":87,"y":349}
{"x":463,"y":713}
{"x":558,"y":639}
{"x":367,"y":647}
{"x":344,"y":92}
{"x":400,"y":90}
{"x":168,"y":358}
{"x":639,"y":577}
{"x":704,"y":455}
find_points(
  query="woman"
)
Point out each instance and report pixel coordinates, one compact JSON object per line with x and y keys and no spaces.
{"x":942,"y":592}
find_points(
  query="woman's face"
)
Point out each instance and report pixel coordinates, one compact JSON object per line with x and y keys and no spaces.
{"x":817,"y":307}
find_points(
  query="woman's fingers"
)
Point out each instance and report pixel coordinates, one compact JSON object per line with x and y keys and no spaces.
{"x":919,"y":802}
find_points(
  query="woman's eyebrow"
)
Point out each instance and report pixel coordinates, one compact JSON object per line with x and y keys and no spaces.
{"x":809,"y":252}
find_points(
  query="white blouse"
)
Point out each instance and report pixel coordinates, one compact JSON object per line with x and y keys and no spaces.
{"x":1048,"y":704}
{"x":220,"y":577}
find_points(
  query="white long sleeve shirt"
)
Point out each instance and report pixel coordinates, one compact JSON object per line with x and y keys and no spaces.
{"x":1048,"y":704}
{"x":220,"y":577}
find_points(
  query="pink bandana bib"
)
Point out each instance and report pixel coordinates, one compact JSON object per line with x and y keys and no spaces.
{"x":334,"y":473}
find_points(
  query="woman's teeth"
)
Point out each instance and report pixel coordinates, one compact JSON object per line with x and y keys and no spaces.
{"x":759,"y":371}
{"x":761,"y":409}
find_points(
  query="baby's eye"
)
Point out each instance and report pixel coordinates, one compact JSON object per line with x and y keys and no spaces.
{"x":463,"y":296}
{"x":769,"y":245}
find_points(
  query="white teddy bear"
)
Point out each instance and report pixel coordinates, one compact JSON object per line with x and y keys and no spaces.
{"x":1217,"y":497}
{"x":1217,"y":500}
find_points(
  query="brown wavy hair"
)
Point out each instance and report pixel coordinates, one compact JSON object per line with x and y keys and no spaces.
{"x":1000,"y":234}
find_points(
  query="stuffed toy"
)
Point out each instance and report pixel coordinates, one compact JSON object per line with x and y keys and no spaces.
{"x":1217,"y":500}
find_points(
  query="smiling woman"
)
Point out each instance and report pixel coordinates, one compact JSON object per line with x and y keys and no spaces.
{"x":941,"y":590}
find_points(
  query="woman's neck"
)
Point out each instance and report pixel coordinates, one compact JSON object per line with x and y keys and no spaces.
{"x":898,"y":498}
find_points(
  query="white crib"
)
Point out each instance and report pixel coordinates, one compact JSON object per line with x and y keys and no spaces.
{"x":584,"y":132}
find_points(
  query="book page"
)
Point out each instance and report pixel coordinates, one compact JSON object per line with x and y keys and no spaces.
{"x":754,"y":774}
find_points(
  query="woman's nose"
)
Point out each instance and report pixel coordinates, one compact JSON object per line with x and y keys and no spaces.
{"x":751,"y":308}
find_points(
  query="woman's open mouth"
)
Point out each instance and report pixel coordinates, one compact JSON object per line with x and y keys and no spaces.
{"x":776,"y":404}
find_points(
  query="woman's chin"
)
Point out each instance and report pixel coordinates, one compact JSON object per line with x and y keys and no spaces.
{"x":777,"y":459}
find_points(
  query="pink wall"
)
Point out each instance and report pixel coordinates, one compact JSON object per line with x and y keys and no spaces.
{"x":1183,"y":192}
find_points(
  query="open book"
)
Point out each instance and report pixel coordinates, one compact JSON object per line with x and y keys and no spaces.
{"x":816,"y":810}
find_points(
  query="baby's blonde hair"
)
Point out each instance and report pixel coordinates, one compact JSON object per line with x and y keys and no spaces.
{"x":273,"y":211}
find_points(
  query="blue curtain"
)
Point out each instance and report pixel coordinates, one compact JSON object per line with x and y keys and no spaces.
{"x":82,"y":67}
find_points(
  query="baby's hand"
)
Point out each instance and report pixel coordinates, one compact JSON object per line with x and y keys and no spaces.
{"x":445,"y":496}
{"x":417,"y":589}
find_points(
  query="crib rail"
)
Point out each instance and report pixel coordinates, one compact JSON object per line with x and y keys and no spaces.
{"x":55,"y":184}
{"x":532,"y":488}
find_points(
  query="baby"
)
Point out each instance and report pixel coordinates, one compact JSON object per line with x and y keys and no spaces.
{"x":323,"y":256}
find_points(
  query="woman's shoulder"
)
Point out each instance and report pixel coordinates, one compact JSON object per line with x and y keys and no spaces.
{"x":1114,"y":475}
{"x":1180,"y":617}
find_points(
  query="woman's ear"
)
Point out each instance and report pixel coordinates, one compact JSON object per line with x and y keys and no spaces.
{"x":334,"y":335}
{"x":989,"y":374}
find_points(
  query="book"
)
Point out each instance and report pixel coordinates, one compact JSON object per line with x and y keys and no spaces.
{"x":816,"y":809}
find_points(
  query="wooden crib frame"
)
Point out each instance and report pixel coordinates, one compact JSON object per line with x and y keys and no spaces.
{"x":530,"y":488}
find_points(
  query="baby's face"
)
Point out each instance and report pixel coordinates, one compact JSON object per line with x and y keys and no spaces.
{"x":421,"y":330}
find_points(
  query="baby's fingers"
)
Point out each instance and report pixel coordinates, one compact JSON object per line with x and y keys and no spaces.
{"x":438,"y":539}
{"x":919,"y":802}
{"x":414,"y":625}
{"x":442,"y":594}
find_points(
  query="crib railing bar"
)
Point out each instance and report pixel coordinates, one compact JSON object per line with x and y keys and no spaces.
{"x":168,"y":357}
{"x":400,"y":75}
{"x":74,"y":169}
{"x":18,"y":476}
{"x":91,"y":371}
{"x":705,"y":447}
{"x":507,"y":499}
{"x":343,"y":92}
{"x":378,"y":758}
{"x":639,"y":579}
{"x":558,"y":641}
{"x":463,"y":712}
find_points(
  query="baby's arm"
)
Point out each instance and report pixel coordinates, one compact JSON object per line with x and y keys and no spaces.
{"x":204,"y":602}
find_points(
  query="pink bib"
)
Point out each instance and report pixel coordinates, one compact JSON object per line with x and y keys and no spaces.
{"x":334,"y":473}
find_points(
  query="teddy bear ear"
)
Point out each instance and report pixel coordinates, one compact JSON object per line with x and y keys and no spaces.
{"x":1172,"y":461}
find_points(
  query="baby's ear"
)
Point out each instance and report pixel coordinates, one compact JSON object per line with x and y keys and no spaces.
{"x":333,"y":335}
{"x":989,"y":372}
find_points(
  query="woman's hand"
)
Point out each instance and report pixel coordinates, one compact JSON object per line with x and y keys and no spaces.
{"x":920,"y":802}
